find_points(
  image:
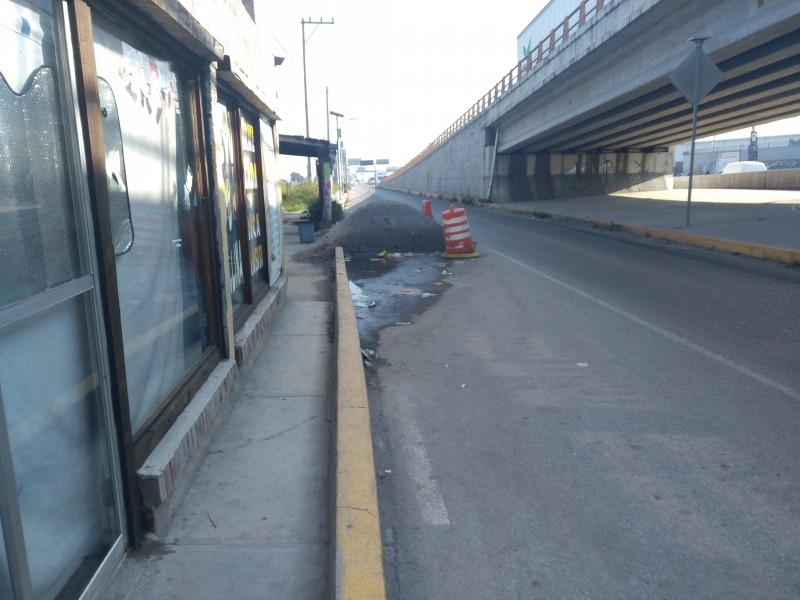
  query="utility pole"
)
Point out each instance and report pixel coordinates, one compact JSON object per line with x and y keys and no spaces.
{"x":338,"y":151}
{"x":303,"y":24}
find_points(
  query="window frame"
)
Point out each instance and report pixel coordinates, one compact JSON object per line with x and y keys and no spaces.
{"x":134,"y":448}
{"x":257,"y":289}
{"x":254,"y":292}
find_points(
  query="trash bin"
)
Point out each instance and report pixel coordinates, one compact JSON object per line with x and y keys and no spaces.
{"x":306,"y":231}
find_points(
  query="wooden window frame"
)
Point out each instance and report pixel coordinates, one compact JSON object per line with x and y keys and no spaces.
{"x":253,"y":294}
{"x":135,"y":448}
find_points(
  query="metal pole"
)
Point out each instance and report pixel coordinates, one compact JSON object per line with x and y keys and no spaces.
{"x":303,"y":23}
{"x":698,"y":44}
{"x":328,"y":114}
{"x":691,"y":166}
{"x":338,"y":173}
{"x":494,"y":158}
{"x":338,"y":150}
{"x":339,"y":160}
{"x":305,"y":90}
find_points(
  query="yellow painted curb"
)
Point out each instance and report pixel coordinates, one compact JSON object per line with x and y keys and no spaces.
{"x":358,"y":550}
{"x":784,"y":255}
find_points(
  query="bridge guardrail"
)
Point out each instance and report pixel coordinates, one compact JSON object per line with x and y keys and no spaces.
{"x":546,"y":48}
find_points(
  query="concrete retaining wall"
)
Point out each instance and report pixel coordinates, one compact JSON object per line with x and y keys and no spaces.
{"x":782,"y":179}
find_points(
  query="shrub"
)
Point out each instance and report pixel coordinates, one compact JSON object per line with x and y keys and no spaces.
{"x":313,"y":212}
{"x":296,"y":196}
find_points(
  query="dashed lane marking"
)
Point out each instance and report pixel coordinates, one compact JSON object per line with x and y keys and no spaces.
{"x":429,"y":498}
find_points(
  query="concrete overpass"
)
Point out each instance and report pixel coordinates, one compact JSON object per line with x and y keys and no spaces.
{"x":591,"y":109}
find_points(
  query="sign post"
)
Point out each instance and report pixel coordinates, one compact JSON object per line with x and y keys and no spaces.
{"x":695,"y":77}
{"x":374,"y":164}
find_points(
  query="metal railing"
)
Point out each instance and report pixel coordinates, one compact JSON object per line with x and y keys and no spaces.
{"x":545,"y":49}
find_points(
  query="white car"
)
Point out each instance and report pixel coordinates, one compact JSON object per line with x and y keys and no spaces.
{"x":744,"y":166}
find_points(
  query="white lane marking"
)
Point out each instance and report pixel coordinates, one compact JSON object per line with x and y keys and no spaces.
{"x":791,"y":392}
{"x":431,"y":503}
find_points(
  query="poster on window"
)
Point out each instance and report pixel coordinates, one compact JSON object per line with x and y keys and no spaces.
{"x":272,"y":195}
{"x":254,"y":239}
{"x":227,"y":190}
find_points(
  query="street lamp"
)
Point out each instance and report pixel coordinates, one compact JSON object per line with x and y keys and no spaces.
{"x":303,"y":24}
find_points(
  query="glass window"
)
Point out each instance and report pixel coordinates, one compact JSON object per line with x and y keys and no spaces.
{"x":37,"y":228}
{"x":150,"y":164}
{"x":57,"y":443}
{"x":53,"y":390}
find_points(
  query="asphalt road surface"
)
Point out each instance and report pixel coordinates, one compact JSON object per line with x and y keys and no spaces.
{"x":587,"y":414}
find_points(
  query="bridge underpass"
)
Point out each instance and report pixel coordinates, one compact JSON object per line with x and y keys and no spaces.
{"x":595,"y":111}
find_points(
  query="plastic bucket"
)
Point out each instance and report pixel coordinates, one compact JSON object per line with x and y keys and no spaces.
{"x":306,"y":231}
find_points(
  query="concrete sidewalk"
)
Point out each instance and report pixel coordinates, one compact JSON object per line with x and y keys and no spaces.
{"x":760,"y":223}
{"x":256,"y":520}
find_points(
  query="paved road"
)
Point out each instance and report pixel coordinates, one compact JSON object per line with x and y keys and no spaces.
{"x":590,"y":415}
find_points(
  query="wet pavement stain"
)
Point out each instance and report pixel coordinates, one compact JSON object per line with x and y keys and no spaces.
{"x":391,"y":291}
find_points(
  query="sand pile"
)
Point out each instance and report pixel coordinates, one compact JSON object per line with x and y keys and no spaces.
{"x":372,"y":228}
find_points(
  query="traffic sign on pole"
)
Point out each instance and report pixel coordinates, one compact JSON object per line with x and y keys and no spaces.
{"x":694,"y":78}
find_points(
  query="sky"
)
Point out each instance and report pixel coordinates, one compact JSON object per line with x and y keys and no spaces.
{"x":400,"y":71}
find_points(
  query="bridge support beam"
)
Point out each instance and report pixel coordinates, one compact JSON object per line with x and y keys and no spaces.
{"x":540,"y":176}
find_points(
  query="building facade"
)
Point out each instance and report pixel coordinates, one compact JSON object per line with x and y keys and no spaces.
{"x":141,"y":249}
{"x":711,"y":155}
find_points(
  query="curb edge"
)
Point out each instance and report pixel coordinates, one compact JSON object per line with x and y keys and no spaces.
{"x":358,"y":549}
{"x":784,"y":255}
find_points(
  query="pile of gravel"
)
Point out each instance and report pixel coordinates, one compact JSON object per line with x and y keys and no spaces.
{"x":383,"y":225}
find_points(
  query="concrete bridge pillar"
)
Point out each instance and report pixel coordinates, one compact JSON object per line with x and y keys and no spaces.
{"x":540,"y":176}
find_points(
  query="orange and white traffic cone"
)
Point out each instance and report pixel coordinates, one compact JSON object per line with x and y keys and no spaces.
{"x":457,"y":238}
{"x":426,"y":208}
